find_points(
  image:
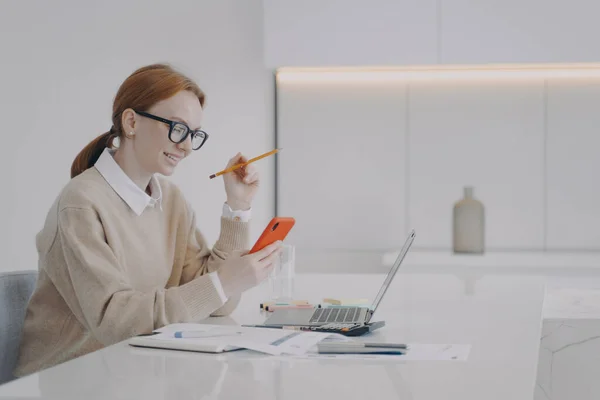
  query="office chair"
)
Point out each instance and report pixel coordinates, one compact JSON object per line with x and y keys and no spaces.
{"x":15,"y":290}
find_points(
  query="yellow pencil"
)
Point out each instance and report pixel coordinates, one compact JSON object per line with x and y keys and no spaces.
{"x":244,"y":164}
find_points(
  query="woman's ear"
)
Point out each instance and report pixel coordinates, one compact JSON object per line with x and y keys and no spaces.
{"x":128,"y":120}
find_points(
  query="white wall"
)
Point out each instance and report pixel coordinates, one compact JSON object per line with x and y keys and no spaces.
{"x":408,"y":32}
{"x":380,"y":158}
{"x":518,"y":31}
{"x":62,"y":63}
{"x":350,"y":32}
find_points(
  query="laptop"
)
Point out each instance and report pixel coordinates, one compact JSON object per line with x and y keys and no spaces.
{"x":338,"y":315}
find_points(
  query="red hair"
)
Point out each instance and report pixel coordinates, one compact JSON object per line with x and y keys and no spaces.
{"x":140,"y":91}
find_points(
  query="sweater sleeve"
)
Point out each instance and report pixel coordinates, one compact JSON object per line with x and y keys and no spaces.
{"x":201,"y":260}
{"x":98,"y":292}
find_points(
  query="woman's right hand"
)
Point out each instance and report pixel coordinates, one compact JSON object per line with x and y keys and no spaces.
{"x":242,"y":271}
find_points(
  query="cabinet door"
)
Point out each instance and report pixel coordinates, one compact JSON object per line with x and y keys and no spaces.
{"x":573,"y":190}
{"x":342,"y":169}
{"x":484,"y":135}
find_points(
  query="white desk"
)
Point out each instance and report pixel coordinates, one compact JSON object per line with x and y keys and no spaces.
{"x":500,"y":317}
{"x":569,"y":360}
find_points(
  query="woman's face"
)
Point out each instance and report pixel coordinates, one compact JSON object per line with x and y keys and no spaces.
{"x":153,"y":150}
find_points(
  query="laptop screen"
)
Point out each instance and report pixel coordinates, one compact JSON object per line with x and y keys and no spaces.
{"x":393,"y":271}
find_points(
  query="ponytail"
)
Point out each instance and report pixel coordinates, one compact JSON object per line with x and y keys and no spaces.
{"x":90,"y":153}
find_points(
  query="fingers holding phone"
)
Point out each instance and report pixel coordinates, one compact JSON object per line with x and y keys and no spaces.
{"x":242,"y":271}
{"x":267,"y":256}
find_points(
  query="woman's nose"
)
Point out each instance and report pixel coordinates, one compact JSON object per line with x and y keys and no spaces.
{"x":186,"y":145}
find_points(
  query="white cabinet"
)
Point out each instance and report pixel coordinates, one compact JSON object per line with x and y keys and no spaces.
{"x":350,"y":32}
{"x":342,"y":169}
{"x":573,"y":189}
{"x":484,"y":135}
{"x":519,"y":31}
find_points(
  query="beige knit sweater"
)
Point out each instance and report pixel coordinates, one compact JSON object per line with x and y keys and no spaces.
{"x":106,"y":274}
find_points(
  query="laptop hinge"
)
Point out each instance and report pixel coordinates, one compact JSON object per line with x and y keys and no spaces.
{"x":369,"y":315}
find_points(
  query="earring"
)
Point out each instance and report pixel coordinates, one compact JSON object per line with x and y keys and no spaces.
{"x":131,"y":134}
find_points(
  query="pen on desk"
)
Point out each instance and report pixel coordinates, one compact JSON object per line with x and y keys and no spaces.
{"x":387,"y":345}
{"x":261,"y":326}
{"x":350,"y":350}
{"x":400,"y":346}
{"x":361,"y":348}
{"x":233,"y":168}
{"x":202,"y":334}
{"x":291,"y":328}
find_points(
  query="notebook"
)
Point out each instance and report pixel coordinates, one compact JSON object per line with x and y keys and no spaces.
{"x":222,"y":338}
{"x":164,"y":338}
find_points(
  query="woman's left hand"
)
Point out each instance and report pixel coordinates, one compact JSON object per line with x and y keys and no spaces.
{"x":240,"y":185}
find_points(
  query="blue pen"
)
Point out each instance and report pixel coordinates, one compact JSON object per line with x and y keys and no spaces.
{"x":203,"y":334}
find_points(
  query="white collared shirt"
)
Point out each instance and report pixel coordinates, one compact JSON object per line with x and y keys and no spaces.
{"x":132,"y":195}
{"x":138,"y":200}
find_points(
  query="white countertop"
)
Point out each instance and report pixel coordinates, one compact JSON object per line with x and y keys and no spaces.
{"x":519,"y":259}
{"x":500,"y":317}
{"x":566,"y":303}
{"x":418,"y":260}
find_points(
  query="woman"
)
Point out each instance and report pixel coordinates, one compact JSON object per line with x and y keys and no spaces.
{"x":120,"y":254}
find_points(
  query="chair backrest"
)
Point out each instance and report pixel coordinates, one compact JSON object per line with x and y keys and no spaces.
{"x":15,"y":290}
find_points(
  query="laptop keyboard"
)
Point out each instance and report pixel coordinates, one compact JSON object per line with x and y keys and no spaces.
{"x":345,"y":314}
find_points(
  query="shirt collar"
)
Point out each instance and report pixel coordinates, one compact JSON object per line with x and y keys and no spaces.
{"x":136,"y":198}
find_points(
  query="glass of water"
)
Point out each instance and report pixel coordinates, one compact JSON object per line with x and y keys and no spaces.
{"x":281,"y":278}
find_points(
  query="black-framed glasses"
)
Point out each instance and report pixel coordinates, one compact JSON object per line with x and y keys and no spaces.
{"x":178,"y":131}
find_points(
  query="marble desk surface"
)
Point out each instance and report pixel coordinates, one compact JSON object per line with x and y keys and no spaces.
{"x":498,"y":312}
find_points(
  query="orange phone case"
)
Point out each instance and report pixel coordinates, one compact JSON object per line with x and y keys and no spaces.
{"x":277,"y":229}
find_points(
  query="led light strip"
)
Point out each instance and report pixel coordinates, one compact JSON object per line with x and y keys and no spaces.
{"x":442,"y":73}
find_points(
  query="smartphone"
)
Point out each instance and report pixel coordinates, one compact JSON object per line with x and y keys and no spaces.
{"x":277,"y":229}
